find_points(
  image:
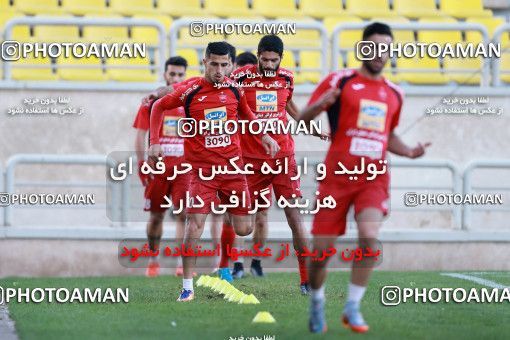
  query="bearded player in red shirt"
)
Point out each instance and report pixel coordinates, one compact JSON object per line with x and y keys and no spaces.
{"x":270,"y":98}
{"x":363,"y":110}
{"x":157,"y":186}
{"x":204,"y":100}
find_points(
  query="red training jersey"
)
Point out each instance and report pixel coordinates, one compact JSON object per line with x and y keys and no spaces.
{"x":361,"y":119}
{"x":203,"y":101}
{"x":172,"y":144}
{"x":267,"y":98}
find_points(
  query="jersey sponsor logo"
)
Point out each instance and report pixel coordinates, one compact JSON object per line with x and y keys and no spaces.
{"x":358,"y":86}
{"x":366,"y":147}
{"x":266,"y":101}
{"x":173,"y":150}
{"x":217,"y":113}
{"x":372,"y":115}
{"x":170,"y":126}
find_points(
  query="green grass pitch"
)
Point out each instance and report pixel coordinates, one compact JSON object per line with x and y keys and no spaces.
{"x":153,"y":313}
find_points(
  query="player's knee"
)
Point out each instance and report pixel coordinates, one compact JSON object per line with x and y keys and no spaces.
{"x":260,"y":223}
{"x":368,"y":232}
{"x":181,"y":218}
{"x":244,"y":229}
{"x":156,"y":218}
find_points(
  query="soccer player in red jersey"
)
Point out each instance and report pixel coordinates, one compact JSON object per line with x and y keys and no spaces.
{"x":203,"y":100}
{"x":228,"y":236}
{"x":271,"y":99}
{"x":363,"y":110}
{"x":157,"y":186}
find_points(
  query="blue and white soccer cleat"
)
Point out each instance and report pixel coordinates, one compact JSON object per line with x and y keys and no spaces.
{"x":224,"y":274}
{"x":238,"y":272}
{"x":317,"y":321}
{"x":186,"y":295}
{"x":353,"y":319}
{"x":305,"y":288}
{"x":256,"y":268}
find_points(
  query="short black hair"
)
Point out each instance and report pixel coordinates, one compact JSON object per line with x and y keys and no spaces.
{"x":376,"y":28}
{"x":270,"y":43}
{"x":176,"y":61}
{"x":246,"y":58}
{"x":232,"y":52}
{"x":219,"y":48}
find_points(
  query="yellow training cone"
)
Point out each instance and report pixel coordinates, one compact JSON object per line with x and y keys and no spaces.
{"x":218,"y":285}
{"x":249,"y":300}
{"x":208,"y":281}
{"x":222,"y":285}
{"x":202,"y":280}
{"x":264,"y":317}
{"x":236,"y":297}
{"x":233,"y":290}
{"x":226,"y":287}
{"x":212,"y":281}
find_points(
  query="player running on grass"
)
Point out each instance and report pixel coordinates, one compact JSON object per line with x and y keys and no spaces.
{"x":203,"y":100}
{"x":270,"y":100}
{"x":363,"y":110}
{"x":216,"y":219}
{"x":243,"y":59}
{"x":157,"y":186}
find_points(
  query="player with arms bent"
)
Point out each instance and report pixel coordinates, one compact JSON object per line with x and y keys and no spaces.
{"x":363,"y":110}
{"x":203,"y":100}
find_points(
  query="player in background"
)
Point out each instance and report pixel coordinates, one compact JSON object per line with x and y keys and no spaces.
{"x":243,"y":59}
{"x":204,"y":100}
{"x":271,"y":103}
{"x":157,"y":186}
{"x":363,"y":110}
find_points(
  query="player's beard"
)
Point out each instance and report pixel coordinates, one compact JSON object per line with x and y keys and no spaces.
{"x":371,"y":69}
{"x":264,"y":70}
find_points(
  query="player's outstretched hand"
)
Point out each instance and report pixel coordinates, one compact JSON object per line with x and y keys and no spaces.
{"x":155,"y":151}
{"x":154,"y":95}
{"x":323,"y":136}
{"x":270,"y":145}
{"x":328,"y":98}
{"x":419,"y":150}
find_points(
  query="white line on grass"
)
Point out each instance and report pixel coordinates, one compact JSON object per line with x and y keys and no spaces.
{"x":7,"y":330}
{"x":475,"y":279}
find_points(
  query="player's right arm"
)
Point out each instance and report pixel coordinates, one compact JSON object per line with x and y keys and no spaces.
{"x":168,"y":102}
{"x":322,"y":98}
{"x":140,"y":154}
{"x":160,"y":92}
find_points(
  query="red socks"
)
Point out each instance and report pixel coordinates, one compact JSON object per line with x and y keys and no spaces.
{"x":303,"y":271}
{"x":228,"y":236}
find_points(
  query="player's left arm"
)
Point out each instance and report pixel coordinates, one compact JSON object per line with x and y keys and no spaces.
{"x":398,"y":147}
{"x":293,"y":111}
